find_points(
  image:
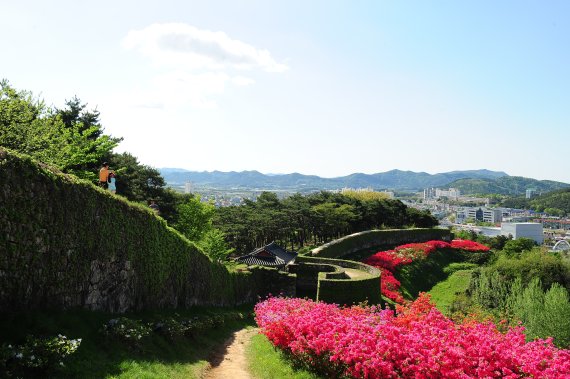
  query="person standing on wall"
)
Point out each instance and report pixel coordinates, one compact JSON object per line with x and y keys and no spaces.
{"x":154,"y":206}
{"x":111,"y":183}
{"x":104,"y":175}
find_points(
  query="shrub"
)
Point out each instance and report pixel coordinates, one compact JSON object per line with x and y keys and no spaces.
{"x":126,"y":330}
{"x":544,"y":314}
{"x":417,"y":341}
{"x":37,"y":357}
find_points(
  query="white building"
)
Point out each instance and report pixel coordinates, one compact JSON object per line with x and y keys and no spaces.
{"x":479,"y":214}
{"x":452,"y":193}
{"x":436,"y":193}
{"x":532,"y":230}
{"x":187,"y":187}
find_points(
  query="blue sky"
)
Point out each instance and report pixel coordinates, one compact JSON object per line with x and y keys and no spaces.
{"x":316,"y":87}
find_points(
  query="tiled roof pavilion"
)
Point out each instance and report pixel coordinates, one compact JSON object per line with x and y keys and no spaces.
{"x":271,"y":255}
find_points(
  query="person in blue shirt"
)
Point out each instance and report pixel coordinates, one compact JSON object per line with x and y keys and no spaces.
{"x":112,"y":187}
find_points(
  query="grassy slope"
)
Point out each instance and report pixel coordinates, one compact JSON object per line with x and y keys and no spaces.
{"x":422,"y":275}
{"x":443,"y":293}
{"x":265,"y":362}
{"x":98,"y":357}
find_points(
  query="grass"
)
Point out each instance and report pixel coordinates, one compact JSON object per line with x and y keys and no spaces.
{"x":445,"y":292}
{"x":421,"y":275}
{"x":99,"y":357}
{"x":265,"y":362}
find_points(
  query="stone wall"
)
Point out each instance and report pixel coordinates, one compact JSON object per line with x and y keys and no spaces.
{"x":393,"y":237}
{"x":65,"y":243}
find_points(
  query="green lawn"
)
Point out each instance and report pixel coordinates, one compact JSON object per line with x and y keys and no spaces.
{"x":265,"y":362}
{"x":100,"y":357}
{"x":444,"y":292}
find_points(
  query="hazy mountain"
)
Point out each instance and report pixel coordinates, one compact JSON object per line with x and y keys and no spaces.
{"x":394,"y":179}
{"x":505,"y":185}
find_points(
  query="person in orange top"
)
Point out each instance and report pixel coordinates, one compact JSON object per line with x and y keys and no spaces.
{"x":104,"y":175}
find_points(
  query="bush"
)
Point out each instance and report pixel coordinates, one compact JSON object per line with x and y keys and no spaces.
{"x":544,"y":314}
{"x":547,"y":267}
{"x":126,"y":330}
{"x":37,"y":357}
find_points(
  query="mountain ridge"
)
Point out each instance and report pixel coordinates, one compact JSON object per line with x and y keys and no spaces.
{"x":394,"y":179}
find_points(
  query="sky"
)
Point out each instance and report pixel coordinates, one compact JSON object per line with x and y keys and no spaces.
{"x":326,"y":88}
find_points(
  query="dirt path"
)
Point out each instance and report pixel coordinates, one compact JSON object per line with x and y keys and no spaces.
{"x":229,"y":361}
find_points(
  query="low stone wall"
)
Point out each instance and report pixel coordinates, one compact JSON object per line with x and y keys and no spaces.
{"x":337,"y":287}
{"x":371,"y":238}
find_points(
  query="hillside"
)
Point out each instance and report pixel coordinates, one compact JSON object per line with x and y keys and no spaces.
{"x":505,"y":185}
{"x":394,"y":179}
{"x":556,"y":200}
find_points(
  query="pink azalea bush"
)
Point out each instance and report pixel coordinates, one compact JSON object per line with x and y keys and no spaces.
{"x":389,"y":260}
{"x":417,"y":341}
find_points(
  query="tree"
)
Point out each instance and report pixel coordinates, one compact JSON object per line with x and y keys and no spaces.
{"x":214,"y":244}
{"x":194,"y":218}
{"x":74,"y":145}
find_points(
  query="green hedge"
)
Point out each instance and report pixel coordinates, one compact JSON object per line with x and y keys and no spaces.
{"x":371,"y":238}
{"x":333,"y":288}
{"x":67,"y":243}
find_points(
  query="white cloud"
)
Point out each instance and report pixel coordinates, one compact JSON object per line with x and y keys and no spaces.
{"x":242,"y":81}
{"x":182,"y":45}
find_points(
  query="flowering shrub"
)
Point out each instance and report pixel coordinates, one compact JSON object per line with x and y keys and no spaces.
{"x":468,"y":245}
{"x":126,"y":330}
{"x":37,"y":356}
{"x":389,"y":260}
{"x":416,"y":342}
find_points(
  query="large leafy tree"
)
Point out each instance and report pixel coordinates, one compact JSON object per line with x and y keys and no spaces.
{"x":70,"y":139}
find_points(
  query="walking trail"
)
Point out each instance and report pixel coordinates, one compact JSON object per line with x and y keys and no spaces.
{"x":229,"y":361}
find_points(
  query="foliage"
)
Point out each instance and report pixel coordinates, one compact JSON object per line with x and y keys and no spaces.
{"x":214,"y":244}
{"x":555,"y":202}
{"x":141,"y":183}
{"x":361,"y":342}
{"x":194,"y":218}
{"x":517,"y":246}
{"x":531,"y":287}
{"x":505,"y":185}
{"x":365,"y":195}
{"x":126,"y":330}
{"x":101,"y":356}
{"x":70,"y":139}
{"x":396,"y":260}
{"x":37,"y":356}
{"x":543,"y":313}
{"x":459,"y":266}
{"x":548,"y":267}
{"x":299,"y":220}
{"x":92,"y":230}
{"x":358,"y":245}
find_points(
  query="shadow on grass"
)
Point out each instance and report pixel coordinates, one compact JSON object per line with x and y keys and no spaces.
{"x":100,"y":357}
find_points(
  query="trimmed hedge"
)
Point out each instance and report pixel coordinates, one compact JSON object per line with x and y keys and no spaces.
{"x":372,"y":238}
{"x":66,"y":243}
{"x":332,"y":287}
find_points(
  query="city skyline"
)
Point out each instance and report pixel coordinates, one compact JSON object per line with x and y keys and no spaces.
{"x":320,"y":88}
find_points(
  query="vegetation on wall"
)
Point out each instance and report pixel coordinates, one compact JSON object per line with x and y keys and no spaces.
{"x":347,"y":245}
{"x":68,"y":243}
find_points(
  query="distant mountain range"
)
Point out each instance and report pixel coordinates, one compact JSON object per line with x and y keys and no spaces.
{"x":392,"y":180}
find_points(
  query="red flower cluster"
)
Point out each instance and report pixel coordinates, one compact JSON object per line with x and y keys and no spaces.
{"x":387,"y":261}
{"x":468,"y":245}
{"x":417,"y":342}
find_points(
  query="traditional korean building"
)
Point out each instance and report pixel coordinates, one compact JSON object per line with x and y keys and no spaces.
{"x":271,"y":255}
